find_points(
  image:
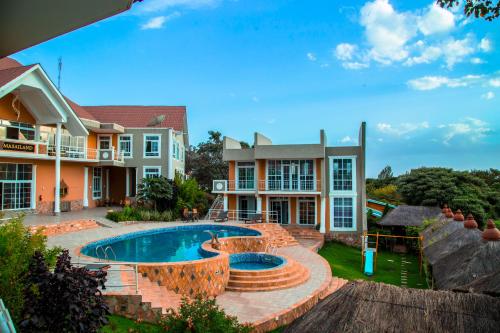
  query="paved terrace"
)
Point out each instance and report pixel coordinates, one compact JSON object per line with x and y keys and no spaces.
{"x":261,"y":308}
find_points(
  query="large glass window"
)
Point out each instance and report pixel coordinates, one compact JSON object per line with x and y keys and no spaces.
{"x":246,"y":175}
{"x":16,"y":130}
{"x":290,"y":175}
{"x":104,"y":142}
{"x":97,"y":183}
{"x":152,"y":172}
{"x":307,"y":211}
{"x":15,"y":185}
{"x":343,"y":213}
{"x":152,"y":145}
{"x":342,"y":174}
{"x":125,"y":145}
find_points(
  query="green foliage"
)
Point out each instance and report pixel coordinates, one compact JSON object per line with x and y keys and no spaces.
{"x":388,"y":193}
{"x":201,"y":316}
{"x":17,"y":247}
{"x":486,"y":9}
{"x":204,"y":162}
{"x":140,"y":214}
{"x":66,"y":300}
{"x":155,"y":191}
{"x":119,"y":324}
{"x":385,"y":173}
{"x":190,"y":195}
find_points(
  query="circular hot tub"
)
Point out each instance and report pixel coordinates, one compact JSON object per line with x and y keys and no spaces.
{"x":253,"y":261}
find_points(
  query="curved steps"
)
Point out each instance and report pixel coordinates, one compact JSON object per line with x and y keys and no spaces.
{"x":288,"y":276}
{"x":304,"y":232}
{"x":278,"y":236}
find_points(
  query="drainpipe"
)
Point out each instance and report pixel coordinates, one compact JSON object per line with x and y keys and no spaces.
{"x":322,"y":227}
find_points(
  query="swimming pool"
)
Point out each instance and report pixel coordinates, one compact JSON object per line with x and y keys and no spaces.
{"x":173,"y":244}
{"x":255,"y":261}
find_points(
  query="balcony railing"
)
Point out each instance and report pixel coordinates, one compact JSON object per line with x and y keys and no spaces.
{"x":250,"y":216}
{"x":234,"y":185}
{"x":290,"y":185}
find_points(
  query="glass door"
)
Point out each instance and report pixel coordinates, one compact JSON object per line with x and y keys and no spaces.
{"x":279,"y":210}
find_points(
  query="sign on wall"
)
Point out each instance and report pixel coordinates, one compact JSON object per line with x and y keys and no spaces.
{"x":14,"y":146}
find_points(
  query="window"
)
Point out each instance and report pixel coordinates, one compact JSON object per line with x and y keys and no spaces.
{"x":97,"y":183}
{"x":16,"y":131}
{"x":307,"y":211}
{"x":343,"y":212}
{"x":152,"y":171}
{"x":125,"y":145}
{"x":290,"y":175}
{"x":343,"y":174}
{"x":104,"y":142}
{"x":152,"y":145}
{"x":15,"y":185}
{"x":246,"y":175}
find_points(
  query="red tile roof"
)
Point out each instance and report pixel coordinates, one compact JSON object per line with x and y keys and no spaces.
{"x":126,"y":116}
{"x":138,"y":116}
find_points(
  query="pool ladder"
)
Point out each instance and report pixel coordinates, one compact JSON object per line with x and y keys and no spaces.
{"x":104,"y":252}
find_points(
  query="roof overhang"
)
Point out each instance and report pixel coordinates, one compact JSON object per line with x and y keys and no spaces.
{"x":43,"y":100}
{"x":97,"y":127}
{"x":24,"y":23}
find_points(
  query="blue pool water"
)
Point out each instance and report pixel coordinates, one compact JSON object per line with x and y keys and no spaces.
{"x":181,"y":243}
{"x":255,"y":261}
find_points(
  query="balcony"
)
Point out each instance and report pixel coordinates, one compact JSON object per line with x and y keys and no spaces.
{"x":306,"y":186}
{"x":220,"y":186}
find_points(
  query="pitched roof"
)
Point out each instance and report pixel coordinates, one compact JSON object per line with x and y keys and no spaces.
{"x":138,"y":116}
{"x":377,"y":307}
{"x":405,"y":215}
{"x":10,"y":69}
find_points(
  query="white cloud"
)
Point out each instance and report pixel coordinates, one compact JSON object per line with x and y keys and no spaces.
{"x":427,"y":55}
{"x":477,"y":61}
{"x":472,"y":129}
{"x":311,"y":56}
{"x":347,"y":139}
{"x":159,"y":21}
{"x":485,"y":45}
{"x":401,"y":129}
{"x":345,"y":51}
{"x":159,"y":5}
{"x":495,"y":83}
{"x":489,"y":95}
{"x":354,"y":65}
{"x":436,"y":20}
{"x":455,"y":50}
{"x":434,"y":82}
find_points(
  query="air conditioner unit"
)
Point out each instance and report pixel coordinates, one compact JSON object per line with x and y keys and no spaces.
{"x":219,"y":185}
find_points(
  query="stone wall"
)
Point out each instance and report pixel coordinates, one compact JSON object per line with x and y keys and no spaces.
{"x":351,"y":239}
{"x":47,"y":207}
{"x":64,"y":227}
{"x":132,"y":306}
{"x":243,"y":244}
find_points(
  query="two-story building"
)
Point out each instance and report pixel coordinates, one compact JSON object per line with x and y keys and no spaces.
{"x":57,"y":155}
{"x":299,"y":184}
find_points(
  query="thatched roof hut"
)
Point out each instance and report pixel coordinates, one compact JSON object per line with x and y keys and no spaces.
{"x":457,"y":239}
{"x":377,"y":307}
{"x":405,"y":215}
{"x":440,"y":230}
{"x":463,"y":267}
{"x":488,"y":284}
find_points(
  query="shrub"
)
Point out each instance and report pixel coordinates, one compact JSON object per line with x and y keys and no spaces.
{"x":157,"y":191}
{"x":67,"y":300}
{"x":201,"y":316}
{"x":17,"y":246}
{"x":190,"y":195}
{"x":140,"y":214}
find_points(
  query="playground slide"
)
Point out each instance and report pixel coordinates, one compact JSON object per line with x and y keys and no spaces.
{"x":369,"y":262}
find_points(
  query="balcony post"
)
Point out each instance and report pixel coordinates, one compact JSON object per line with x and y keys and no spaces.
{"x":225,"y":202}
{"x":322,"y":227}
{"x":85,"y":187}
{"x":57,"y":194}
{"x":127,"y":182}
{"x":259,"y":204}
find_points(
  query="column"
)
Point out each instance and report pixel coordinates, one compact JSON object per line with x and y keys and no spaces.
{"x":33,"y":186}
{"x":136,"y":180}
{"x":170,"y":159}
{"x":322,"y":227}
{"x":259,"y":204}
{"x":57,"y":194}
{"x":226,"y":204}
{"x":85,"y":187}
{"x":127,"y":182}
{"x":107,"y":184}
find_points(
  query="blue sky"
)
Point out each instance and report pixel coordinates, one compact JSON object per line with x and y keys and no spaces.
{"x":426,"y":80}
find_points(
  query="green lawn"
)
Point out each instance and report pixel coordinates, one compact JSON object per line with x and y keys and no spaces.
{"x":119,"y":324}
{"x":345,"y":262}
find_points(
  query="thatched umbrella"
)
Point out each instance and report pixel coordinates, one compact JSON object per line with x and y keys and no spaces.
{"x":457,"y":239}
{"x":488,"y":284}
{"x":406,"y":215}
{"x":439,"y":230}
{"x":376,"y":307}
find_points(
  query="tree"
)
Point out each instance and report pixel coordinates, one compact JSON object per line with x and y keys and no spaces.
{"x":386,"y":173}
{"x":157,"y":191}
{"x":190,"y":195}
{"x":66,"y":300}
{"x":204,"y":162}
{"x":486,"y":9}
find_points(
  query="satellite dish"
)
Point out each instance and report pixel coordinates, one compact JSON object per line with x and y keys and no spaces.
{"x":157,"y":120}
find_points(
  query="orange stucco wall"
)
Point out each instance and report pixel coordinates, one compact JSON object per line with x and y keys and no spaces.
{"x":318,"y":173}
{"x":92,"y":140}
{"x":293,"y":210}
{"x":231,"y":201}
{"x":327,"y":215}
{"x":8,"y":113}
{"x":318,"y":209}
{"x":232,"y":170}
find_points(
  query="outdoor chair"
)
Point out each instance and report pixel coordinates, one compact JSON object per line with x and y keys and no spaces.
{"x":222,"y":216}
{"x":185,"y":215}
{"x":253,"y":218}
{"x":195,"y":214}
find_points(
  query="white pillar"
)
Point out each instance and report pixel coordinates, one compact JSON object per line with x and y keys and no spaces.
{"x":57,"y":194}
{"x":33,"y":186}
{"x":107,"y":184}
{"x":226,"y":205}
{"x":127,"y":182}
{"x":170,"y":159}
{"x":85,"y":187}
{"x":322,"y":227}
{"x":259,"y":204}
{"x":136,"y":180}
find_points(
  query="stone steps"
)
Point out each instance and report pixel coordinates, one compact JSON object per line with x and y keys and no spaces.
{"x":278,"y":236}
{"x":304,"y":232}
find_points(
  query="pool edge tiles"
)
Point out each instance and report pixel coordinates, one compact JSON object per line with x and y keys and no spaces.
{"x":254,"y":257}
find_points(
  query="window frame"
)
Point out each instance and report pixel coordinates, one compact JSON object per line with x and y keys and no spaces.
{"x":353,"y":190}
{"x":354,"y":213}
{"x":131,"y":136}
{"x":307,"y":199}
{"x":157,"y":167}
{"x":145,"y":135}
{"x":94,"y":197}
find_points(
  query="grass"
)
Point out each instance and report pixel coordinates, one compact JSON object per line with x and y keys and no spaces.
{"x":118,"y":324}
{"x":345,"y":262}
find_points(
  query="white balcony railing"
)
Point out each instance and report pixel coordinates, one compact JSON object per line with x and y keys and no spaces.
{"x":245,"y":215}
{"x":290,"y":185}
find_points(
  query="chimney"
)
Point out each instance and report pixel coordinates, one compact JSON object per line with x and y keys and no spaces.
{"x":459,"y":217}
{"x":449,"y":213}
{"x":470,"y":223}
{"x":491,"y":233}
{"x":445,"y":209}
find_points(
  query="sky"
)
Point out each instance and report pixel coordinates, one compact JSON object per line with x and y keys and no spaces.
{"x":426,"y":80}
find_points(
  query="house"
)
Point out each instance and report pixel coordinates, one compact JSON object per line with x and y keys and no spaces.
{"x":406,"y":215}
{"x":377,"y":307}
{"x":56,"y":155}
{"x":297,"y":184}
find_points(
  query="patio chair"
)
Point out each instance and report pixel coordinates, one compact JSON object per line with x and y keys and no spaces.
{"x":185,"y":215}
{"x":195,"y":215}
{"x":222,"y":216}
